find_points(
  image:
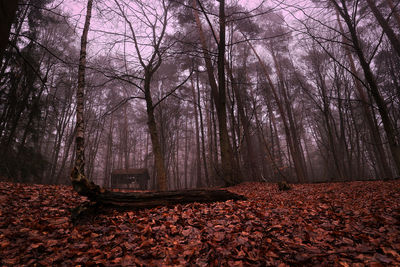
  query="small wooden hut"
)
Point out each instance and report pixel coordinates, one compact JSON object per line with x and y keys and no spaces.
{"x":130,"y":178}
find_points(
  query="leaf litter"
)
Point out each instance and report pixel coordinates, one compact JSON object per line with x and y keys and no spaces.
{"x":329,"y":224}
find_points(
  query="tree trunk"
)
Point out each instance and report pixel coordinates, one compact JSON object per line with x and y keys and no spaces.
{"x":158,"y":153}
{"x":229,"y":170}
{"x":108,"y":161}
{"x":125,"y":138}
{"x":79,"y":180}
{"x":207,"y":182}
{"x":177,"y":176}
{"x":185,"y":166}
{"x":167,"y":198}
{"x":199,"y":182}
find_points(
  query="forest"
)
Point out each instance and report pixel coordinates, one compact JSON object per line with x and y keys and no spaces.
{"x":291,"y":106}
{"x":203,"y":95}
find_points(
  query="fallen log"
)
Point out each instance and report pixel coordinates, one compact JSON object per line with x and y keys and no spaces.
{"x":142,"y":200}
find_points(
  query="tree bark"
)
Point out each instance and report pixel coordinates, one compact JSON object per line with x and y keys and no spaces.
{"x":79,"y":180}
{"x":155,"y":141}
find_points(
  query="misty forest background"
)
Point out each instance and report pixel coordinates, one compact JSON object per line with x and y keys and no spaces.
{"x":214,"y":93}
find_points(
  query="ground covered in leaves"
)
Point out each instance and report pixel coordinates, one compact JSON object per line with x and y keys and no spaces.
{"x":334,"y":224}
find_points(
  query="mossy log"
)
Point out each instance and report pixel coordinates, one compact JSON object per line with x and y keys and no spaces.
{"x":141,"y":200}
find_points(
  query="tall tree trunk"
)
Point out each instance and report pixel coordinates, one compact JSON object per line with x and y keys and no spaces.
{"x":155,"y":141}
{"x":125,"y":135}
{"x":199,"y":182}
{"x":203,"y":147}
{"x":108,"y":161}
{"x":186,"y":152}
{"x":177,"y":177}
{"x":230,"y":172}
{"x":212,"y":157}
{"x":78,"y":178}
{"x":146,"y":156}
{"x":229,"y":169}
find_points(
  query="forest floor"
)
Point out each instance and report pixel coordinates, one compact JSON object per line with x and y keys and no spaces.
{"x":329,"y":224}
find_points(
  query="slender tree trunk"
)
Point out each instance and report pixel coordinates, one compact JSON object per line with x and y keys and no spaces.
{"x":186,"y":152}
{"x":146,"y":157}
{"x":125,"y":135}
{"x":79,"y":181}
{"x":212,"y":157}
{"x":214,"y":133}
{"x":177,"y":178}
{"x":108,"y":161}
{"x":207,"y":182}
{"x":196,"y":120}
{"x":329,"y":121}
{"x":229,"y":169}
